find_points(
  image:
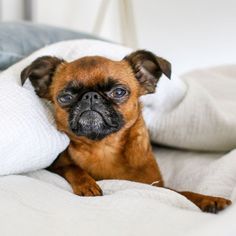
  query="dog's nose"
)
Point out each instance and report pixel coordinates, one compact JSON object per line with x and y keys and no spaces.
{"x":91,"y":97}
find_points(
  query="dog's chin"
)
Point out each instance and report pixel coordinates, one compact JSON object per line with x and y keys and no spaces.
{"x":93,"y":125}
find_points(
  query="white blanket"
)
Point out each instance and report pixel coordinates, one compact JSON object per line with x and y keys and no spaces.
{"x":195,"y":113}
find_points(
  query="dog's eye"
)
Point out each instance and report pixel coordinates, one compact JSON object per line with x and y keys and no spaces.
{"x":118,"y":93}
{"x":65,"y":99}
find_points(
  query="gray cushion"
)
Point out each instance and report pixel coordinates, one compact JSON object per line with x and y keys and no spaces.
{"x":19,"y":39}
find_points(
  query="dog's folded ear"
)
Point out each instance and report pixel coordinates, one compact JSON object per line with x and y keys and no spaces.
{"x":147,"y":69}
{"x":40,"y":72}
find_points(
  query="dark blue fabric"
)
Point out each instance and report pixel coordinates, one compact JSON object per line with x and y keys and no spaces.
{"x":19,"y":39}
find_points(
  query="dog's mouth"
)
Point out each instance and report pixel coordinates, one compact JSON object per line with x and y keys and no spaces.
{"x":97,"y":114}
{"x":93,"y":124}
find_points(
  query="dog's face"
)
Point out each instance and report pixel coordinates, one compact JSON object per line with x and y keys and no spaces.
{"x":94,"y":96}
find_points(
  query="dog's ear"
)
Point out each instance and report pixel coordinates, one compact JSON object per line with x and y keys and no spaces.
{"x":147,"y":69}
{"x":40,"y":72}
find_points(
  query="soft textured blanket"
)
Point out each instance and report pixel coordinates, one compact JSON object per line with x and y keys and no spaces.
{"x":196,"y":112}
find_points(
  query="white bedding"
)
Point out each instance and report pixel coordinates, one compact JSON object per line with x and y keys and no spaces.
{"x":41,"y":203}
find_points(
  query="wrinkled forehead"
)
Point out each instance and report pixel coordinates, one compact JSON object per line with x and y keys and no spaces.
{"x":95,"y":70}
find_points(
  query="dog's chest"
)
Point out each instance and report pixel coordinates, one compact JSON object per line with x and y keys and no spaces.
{"x":101,"y":162}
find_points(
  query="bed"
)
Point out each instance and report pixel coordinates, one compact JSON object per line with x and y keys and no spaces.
{"x":193,"y":129}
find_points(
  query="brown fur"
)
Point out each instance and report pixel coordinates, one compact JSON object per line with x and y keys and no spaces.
{"x":126,"y":154}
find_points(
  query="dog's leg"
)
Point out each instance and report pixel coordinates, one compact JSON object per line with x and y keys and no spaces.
{"x":206,"y":203}
{"x":81,"y":182}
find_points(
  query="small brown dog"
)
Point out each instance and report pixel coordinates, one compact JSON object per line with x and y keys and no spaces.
{"x":96,"y":103}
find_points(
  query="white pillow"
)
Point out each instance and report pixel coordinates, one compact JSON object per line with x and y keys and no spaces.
{"x":29,"y":139}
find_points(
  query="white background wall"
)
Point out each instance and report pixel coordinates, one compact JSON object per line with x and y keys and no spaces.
{"x":190,"y":33}
{"x":11,"y":10}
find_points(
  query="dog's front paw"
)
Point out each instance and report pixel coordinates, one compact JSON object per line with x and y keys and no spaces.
{"x":213,"y":204}
{"x":88,"y":187}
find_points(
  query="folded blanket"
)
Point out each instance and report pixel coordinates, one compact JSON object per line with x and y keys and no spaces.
{"x":197,"y":112}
